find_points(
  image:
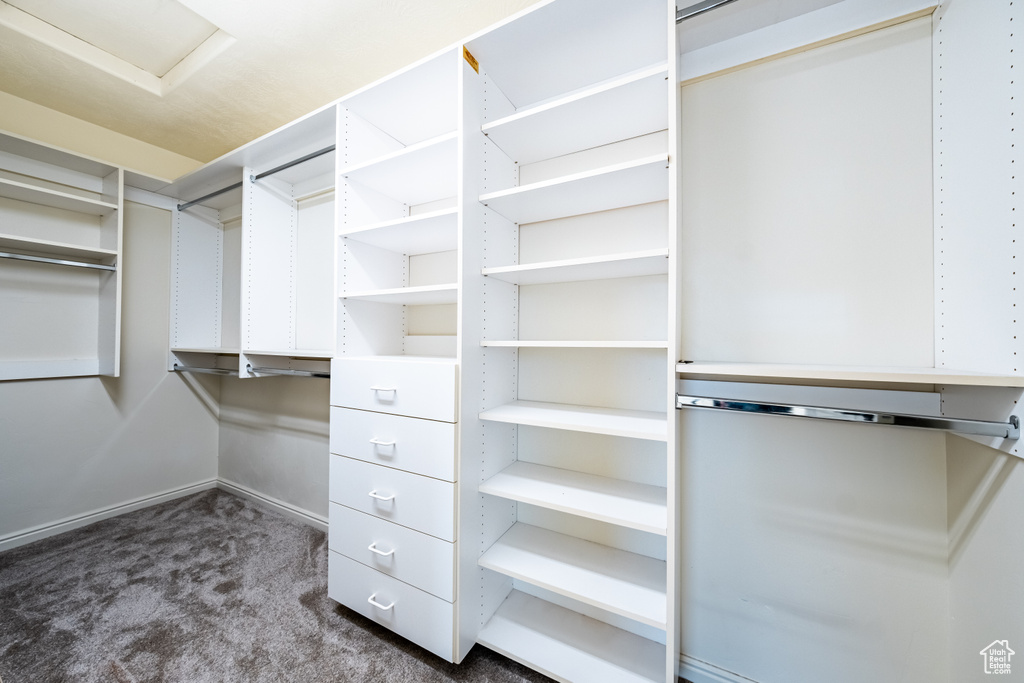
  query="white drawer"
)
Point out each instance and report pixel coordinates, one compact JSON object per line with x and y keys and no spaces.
{"x":421,"y":560}
{"x":415,"y":501}
{"x":424,"y":619}
{"x":406,"y":443}
{"x":416,"y":388}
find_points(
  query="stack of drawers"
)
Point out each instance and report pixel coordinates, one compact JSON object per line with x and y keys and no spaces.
{"x":393,"y":499}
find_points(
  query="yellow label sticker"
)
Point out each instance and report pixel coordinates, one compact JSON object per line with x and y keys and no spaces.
{"x":471,"y":59}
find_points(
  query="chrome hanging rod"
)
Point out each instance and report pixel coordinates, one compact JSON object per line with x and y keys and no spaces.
{"x":698,"y":9}
{"x":1004,"y":430}
{"x":278,"y":169}
{"x":204,"y":371}
{"x":300,"y":160}
{"x":235,"y":186}
{"x":57,"y":261}
{"x":282,"y":371}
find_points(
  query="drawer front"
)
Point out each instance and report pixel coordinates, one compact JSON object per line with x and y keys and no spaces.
{"x":424,"y":619}
{"x":406,"y":443}
{"x":418,"y":559}
{"x":413,"y":388}
{"x":414,"y":501}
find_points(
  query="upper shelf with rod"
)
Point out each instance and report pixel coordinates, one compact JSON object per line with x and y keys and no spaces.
{"x":293,"y":152}
{"x":843,"y":374}
{"x":1002,"y":430}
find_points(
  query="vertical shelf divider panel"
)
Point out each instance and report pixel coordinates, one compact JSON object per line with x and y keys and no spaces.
{"x":673,"y":473}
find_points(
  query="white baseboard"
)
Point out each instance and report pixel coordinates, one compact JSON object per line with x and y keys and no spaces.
{"x":286,"y":509}
{"x":696,"y":671}
{"x":68,"y":523}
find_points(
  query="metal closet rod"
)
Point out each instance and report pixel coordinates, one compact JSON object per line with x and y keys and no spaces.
{"x":282,"y":371}
{"x":699,"y":8}
{"x":57,"y":261}
{"x":1004,"y":430}
{"x":204,"y":371}
{"x":254,"y":178}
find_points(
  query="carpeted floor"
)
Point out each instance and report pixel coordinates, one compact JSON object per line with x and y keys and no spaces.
{"x":205,"y":588}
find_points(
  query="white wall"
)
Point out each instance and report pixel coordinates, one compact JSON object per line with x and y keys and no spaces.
{"x":986,"y":557}
{"x":72,"y":447}
{"x":813,"y":552}
{"x":273,"y":441}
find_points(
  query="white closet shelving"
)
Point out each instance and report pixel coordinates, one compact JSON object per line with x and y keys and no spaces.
{"x":576,"y":194}
{"x":253,"y":268}
{"x":398,"y":226}
{"x":395,"y":385}
{"x":624,"y":503}
{"x":60,"y":271}
{"x":628,"y":183}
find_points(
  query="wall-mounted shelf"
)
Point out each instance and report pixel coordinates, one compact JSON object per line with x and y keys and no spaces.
{"x":624,"y":107}
{"x":632,"y":264}
{"x":620,"y":582}
{"x":51,"y":248}
{"x":418,"y":174}
{"x":412,"y":296}
{"x":214,"y":351}
{"x":34,"y":194}
{"x":60,"y":252}
{"x":635,"y":182}
{"x":841,"y":373}
{"x":623,"y":503}
{"x":636,"y":424}
{"x":300,"y":354}
{"x":572,"y":344}
{"x":420,"y":234}
{"x":567,"y":646}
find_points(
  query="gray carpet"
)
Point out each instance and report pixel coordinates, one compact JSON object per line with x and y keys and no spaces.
{"x":205,"y":588}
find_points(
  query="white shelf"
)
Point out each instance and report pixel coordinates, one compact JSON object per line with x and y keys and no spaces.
{"x":214,"y":350}
{"x":843,"y":373}
{"x":568,"y":646}
{"x":636,"y":424}
{"x":314,"y":354}
{"x":631,"y":264}
{"x":634,"y":182}
{"x":412,"y":296}
{"x":623,"y":503}
{"x":560,"y":47}
{"x":50,"y":248}
{"x":33,"y":194}
{"x":572,"y":344}
{"x":426,"y":233}
{"x":623,"y":583}
{"x":404,"y":358}
{"x":415,"y":175}
{"x":619,"y":109}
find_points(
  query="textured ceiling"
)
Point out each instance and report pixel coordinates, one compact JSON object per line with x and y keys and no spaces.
{"x":289,"y":58}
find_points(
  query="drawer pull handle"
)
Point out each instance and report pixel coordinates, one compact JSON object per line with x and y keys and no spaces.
{"x":374,"y":494}
{"x":380,"y":389}
{"x":378,"y":442}
{"x":373,"y":549}
{"x":376,"y":604}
